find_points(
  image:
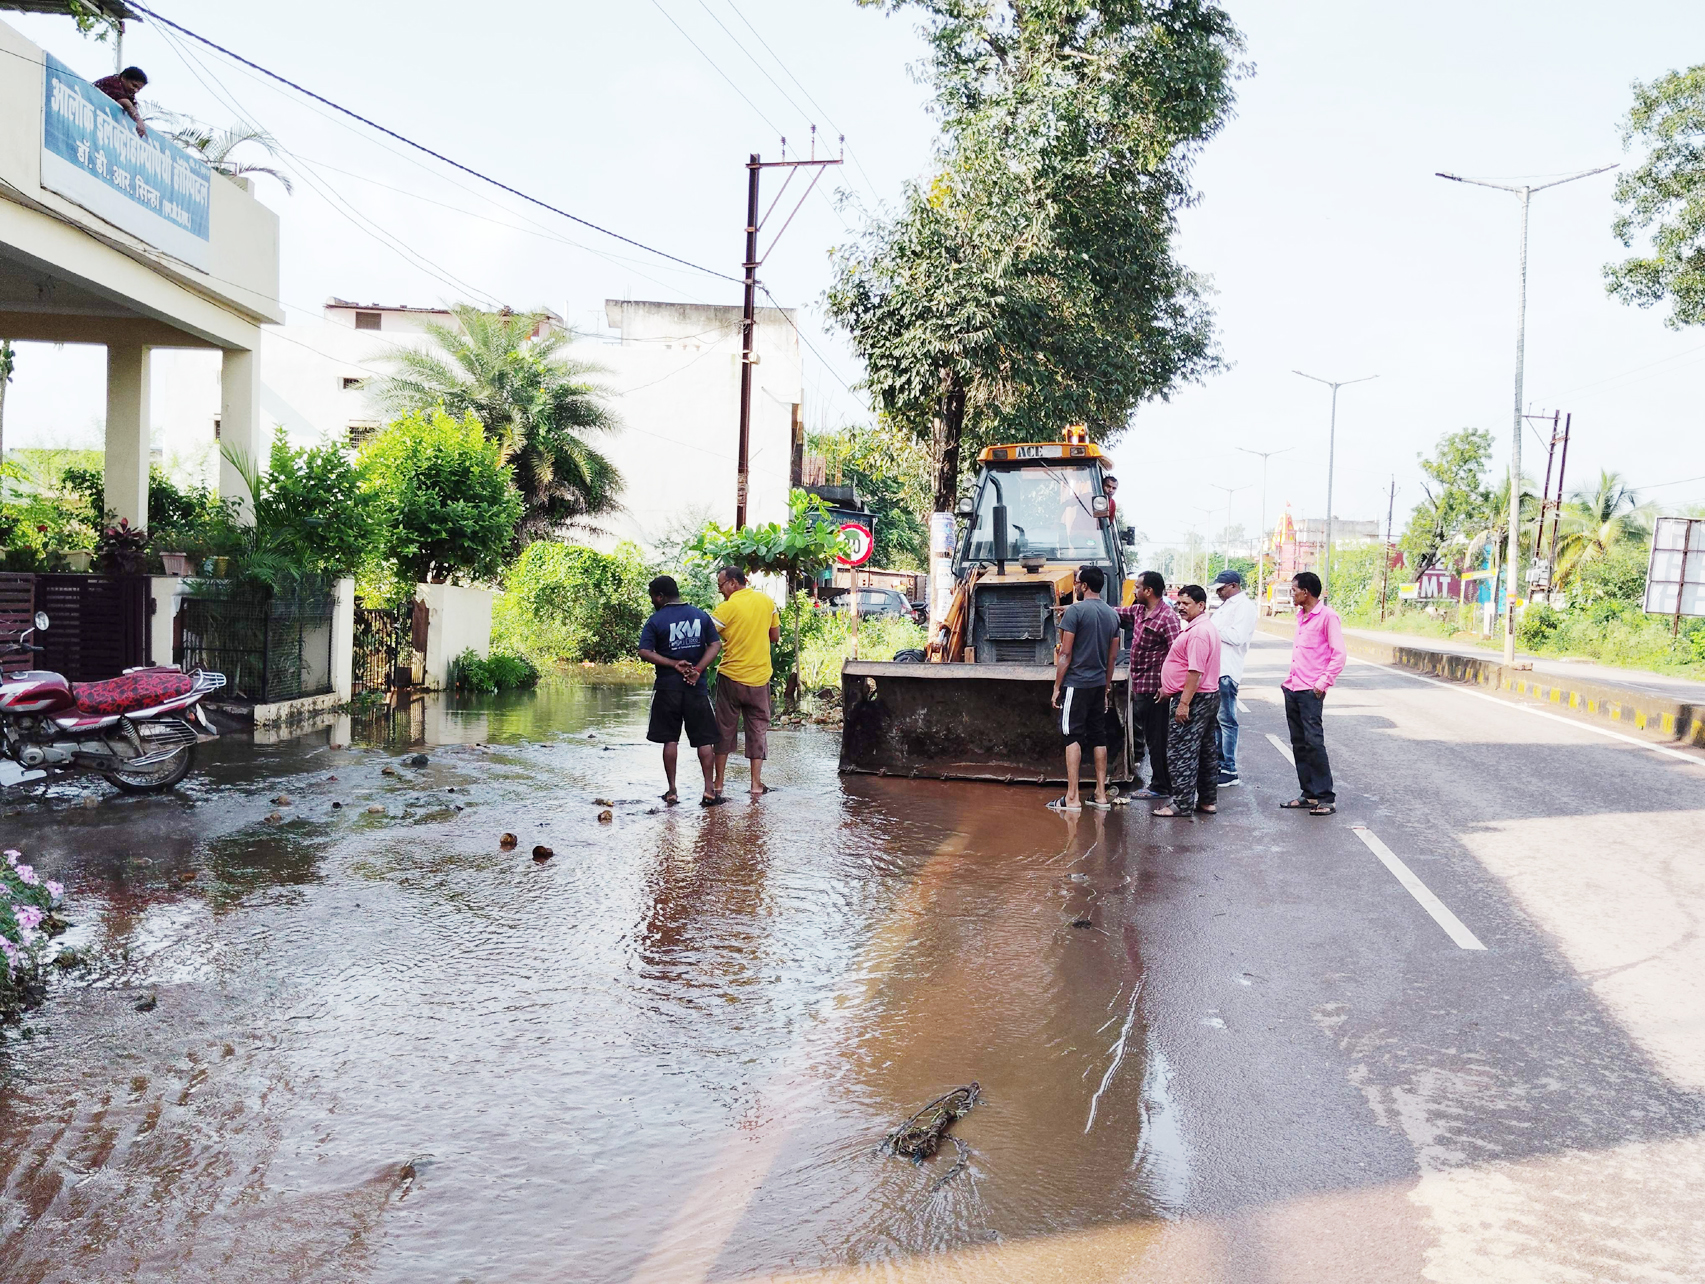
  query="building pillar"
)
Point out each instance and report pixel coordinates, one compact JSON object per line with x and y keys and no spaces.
{"x":240,"y":426}
{"x":126,"y":473}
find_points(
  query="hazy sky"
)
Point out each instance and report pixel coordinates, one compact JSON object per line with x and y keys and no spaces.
{"x":1331,"y":246}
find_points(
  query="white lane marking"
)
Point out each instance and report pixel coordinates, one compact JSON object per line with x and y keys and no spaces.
{"x":1241,"y":708}
{"x":1538,"y":713}
{"x":1283,"y":748}
{"x":1118,"y":1053}
{"x":1452,"y":925}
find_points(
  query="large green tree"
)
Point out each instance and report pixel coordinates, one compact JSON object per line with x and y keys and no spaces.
{"x":1457,"y":501}
{"x":1598,"y":518}
{"x":510,"y":372}
{"x":1030,"y":283}
{"x":889,"y":469}
{"x":1664,"y":197}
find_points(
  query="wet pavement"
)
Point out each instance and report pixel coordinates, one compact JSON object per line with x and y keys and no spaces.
{"x":386,"y":1049}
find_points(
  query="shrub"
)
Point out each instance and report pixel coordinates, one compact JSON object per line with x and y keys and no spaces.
{"x":446,"y":507}
{"x":26,"y":923}
{"x":826,"y":638}
{"x":566,"y":602}
{"x":314,"y":509}
{"x":497,"y":672}
{"x":1537,"y":626}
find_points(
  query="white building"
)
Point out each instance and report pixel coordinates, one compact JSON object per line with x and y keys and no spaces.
{"x":671,"y":373}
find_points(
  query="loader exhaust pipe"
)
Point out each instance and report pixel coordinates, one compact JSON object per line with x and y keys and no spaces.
{"x":1001,"y":550}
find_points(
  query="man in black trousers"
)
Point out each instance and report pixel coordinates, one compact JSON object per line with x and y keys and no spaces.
{"x":1154,"y":626}
{"x":1317,"y":658}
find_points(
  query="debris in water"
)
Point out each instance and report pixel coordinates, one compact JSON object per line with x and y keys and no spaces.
{"x":606,"y":816}
{"x":330,"y":779}
{"x":387,"y":771}
{"x":273,"y":817}
{"x":146,"y":1003}
{"x":376,"y":809}
{"x":541,"y":852}
{"x":336,"y":805}
{"x":603,"y":802}
{"x":449,"y":789}
{"x":418,"y":760}
{"x":507,"y":841}
{"x":919,"y":1137}
{"x":1082,"y":922}
{"x":91,"y":801}
{"x":186,"y":876}
{"x":283,"y":800}
{"x":67,"y":959}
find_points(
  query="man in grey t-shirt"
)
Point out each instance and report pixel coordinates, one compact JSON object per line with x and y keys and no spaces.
{"x":1083,"y":683}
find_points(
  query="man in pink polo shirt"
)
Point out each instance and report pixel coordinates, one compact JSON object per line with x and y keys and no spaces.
{"x":1190,"y":682}
{"x":1317,"y":658}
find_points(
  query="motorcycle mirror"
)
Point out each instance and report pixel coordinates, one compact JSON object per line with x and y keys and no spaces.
{"x":41,"y":619}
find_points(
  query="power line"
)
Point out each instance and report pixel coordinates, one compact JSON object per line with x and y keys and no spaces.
{"x":719,"y":71}
{"x":752,"y":58}
{"x":439,"y":156}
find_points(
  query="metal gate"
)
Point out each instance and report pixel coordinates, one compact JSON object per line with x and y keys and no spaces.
{"x":17,"y":605}
{"x":269,"y":649}
{"x":384,"y":645}
{"x":98,"y":624}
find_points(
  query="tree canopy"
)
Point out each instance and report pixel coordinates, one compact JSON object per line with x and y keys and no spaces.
{"x":1030,"y":283}
{"x":1665,"y":195}
{"x":534,"y":402}
{"x":1457,"y":498}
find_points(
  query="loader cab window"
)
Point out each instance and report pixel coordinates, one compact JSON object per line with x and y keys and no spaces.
{"x":1048,"y":514}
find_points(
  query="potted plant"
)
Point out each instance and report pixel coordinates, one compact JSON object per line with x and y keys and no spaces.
{"x":122,"y":549}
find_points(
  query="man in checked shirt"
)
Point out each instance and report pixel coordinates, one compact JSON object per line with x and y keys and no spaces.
{"x":1154,"y":625}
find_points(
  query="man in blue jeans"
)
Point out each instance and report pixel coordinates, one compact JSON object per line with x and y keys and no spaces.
{"x":1235,"y":620}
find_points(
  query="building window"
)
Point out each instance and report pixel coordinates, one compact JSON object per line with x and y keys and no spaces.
{"x":350,"y":383}
{"x":215,"y":427}
{"x":360,"y":430}
{"x":367,"y":320}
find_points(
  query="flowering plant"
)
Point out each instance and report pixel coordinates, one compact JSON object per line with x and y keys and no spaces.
{"x":27,"y":921}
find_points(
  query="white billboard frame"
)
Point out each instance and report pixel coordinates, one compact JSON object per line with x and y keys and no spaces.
{"x":1675,"y":571}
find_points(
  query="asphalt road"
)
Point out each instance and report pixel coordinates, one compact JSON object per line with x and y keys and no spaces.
{"x":1360,"y":1095}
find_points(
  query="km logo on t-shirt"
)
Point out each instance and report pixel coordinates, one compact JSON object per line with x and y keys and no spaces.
{"x":683,"y":631}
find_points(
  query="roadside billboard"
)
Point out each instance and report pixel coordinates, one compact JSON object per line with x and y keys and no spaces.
{"x":1675,"y":576}
{"x":149,"y":187}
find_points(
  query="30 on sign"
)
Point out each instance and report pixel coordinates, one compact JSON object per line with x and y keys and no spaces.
{"x":861,"y":543}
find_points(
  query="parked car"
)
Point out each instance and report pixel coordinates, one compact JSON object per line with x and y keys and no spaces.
{"x":884,"y":601}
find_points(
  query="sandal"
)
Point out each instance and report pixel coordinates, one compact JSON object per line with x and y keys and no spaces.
{"x":671,"y":797}
{"x":1323,"y":809}
{"x":1060,"y":804}
{"x":1303,"y":803}
{"x":1099,"y":806}
{"x":712,"y":800}
{"x":1208,"y":808}
{"x":1168,"y":810}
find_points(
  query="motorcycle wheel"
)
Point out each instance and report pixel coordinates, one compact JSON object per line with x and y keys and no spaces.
{"x":157,"y":778}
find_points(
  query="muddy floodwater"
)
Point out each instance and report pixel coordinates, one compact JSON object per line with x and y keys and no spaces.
{"x":383,"y":1048}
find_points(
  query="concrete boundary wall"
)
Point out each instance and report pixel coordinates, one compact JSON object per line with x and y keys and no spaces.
{"x":1681,"y":721}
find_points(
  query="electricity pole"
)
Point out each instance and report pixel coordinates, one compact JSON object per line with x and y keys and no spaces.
{"x":749,"y":315}
{"x":1331,"y":455}
{"x":1385,"y":574}
{"x":1512,"y":574}
{"x":1261,"y":553}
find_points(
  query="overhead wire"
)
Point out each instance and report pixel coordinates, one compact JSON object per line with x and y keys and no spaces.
{"x":422,"y":147}
{"x":716,"y":68}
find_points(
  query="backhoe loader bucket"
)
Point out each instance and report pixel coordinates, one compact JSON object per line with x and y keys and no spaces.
{"x":964,"y":722}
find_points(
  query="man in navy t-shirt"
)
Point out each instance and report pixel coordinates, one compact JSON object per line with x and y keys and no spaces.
{"x":681,"y":641}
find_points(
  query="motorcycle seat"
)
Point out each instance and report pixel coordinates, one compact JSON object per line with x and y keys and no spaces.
{"x":131,"y":691}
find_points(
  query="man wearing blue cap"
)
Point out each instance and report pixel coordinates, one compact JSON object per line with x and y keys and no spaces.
{"x":1235,"y":620}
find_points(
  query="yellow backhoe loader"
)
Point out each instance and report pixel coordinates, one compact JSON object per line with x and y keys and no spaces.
{"x":976,"y":705}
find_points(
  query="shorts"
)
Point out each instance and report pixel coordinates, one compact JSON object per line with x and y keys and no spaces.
{"x":672,"y":706}
{"x":736,"y":701}
{"x":1083,"y":717}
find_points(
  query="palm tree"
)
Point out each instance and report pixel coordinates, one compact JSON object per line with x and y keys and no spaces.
{"x":1596,"y":519}
{"x":1489,"y":525}
{"x":217,"y":145}
{"x":510,"y":372}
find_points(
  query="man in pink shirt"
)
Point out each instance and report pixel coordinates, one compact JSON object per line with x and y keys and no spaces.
{"x":1317,"y":658}
{"x":1190,"y":682}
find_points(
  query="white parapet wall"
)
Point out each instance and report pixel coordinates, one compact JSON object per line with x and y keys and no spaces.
{"x":458,"y":619}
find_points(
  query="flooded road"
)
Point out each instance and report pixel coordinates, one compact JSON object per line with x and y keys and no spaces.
{"x":385,"y":1049}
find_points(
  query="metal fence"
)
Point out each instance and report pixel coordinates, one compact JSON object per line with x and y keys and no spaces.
{"x":269,"y":649}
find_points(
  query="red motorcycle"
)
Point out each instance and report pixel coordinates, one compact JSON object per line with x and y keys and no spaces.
{"x":138,"y":730}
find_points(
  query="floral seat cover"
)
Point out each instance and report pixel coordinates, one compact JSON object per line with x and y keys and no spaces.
{"x":131,"y":691}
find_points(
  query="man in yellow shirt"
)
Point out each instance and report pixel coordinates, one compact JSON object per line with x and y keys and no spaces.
{"x":748,"y":623}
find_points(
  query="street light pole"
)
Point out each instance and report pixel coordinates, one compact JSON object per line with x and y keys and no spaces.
{"x":1331,"y":460}
{"x":1261,"y":555}
{"x":1512,"y":562}
{"x":1229,"y":492}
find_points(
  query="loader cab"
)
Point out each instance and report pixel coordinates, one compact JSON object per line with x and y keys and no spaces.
{"x":1036,"y":513}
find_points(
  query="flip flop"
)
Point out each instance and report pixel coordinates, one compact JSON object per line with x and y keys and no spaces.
{"x":1168,"y":812}
{"x":712,"y":800}
{"x":1099,"y":806}
{"x":671,"y":797}
{"x":1323,"y":809}
{"x":1209,"y":808}
{"x":1300,"y":804}
{"x":1060,"y":804}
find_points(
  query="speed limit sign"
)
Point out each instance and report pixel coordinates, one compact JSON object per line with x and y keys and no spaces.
{"x":860,"y":541}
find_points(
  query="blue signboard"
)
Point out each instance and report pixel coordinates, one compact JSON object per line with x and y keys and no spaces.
{"x":150,"y":187}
